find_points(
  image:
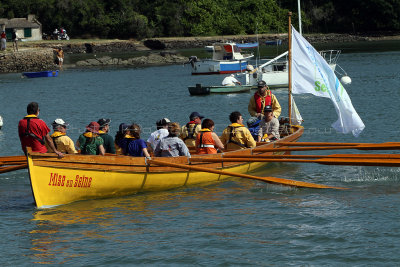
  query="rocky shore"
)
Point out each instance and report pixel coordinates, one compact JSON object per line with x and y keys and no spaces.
{"x":25,"y":61}
{"x":37,"y":56}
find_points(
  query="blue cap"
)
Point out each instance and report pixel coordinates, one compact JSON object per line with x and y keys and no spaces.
{"x":194,"y":115}
{"x":123,"y":127}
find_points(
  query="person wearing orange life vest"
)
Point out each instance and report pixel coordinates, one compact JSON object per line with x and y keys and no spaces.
{"x":263,"y":97}
{"x":236,"y":135}
{"x":191,"y":129}
{"x":207,"y":142}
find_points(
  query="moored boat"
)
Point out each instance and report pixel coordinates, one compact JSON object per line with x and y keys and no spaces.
{"x":275,"y":71}
{"x":38,"y":74}
{"x":247,"y":45}
{"x":273,"y":42}
{"x":80,"y":177}
{"x":205,"y":90}
{"x":226,"y":58}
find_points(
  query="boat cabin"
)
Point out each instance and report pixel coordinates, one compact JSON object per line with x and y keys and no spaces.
{"x":225,"y":51}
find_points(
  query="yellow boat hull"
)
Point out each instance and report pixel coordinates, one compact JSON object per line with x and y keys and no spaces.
{"x":79,"y":177}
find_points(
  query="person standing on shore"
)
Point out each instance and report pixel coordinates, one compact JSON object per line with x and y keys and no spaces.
{"x":14,"y":38}
{"x":3,"y":40}
{"x":60,"y":56}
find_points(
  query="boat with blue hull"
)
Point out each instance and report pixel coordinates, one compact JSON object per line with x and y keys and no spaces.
{"x":39,"y":74}
{"x":247,"y":45}
{"x":226,"y":58}
{"x":273,"y":42}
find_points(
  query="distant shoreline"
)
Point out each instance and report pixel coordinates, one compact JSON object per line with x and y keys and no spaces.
{"x":38,"y":56}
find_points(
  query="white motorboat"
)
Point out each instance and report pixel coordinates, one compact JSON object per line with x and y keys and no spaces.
{"x":226,"y":58}
{"x":275,"y":71}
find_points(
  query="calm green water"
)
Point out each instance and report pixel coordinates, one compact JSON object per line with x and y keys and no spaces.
{"x":237,"y":222}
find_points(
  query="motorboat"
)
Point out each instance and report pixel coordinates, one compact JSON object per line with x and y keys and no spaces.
{"x":226,"y":58}
{"x":275,"y":71}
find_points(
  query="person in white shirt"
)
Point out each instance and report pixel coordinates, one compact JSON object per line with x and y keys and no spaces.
{"x":162,"y":131}
{"x":269,"y":126}
{"x":230,"y":81}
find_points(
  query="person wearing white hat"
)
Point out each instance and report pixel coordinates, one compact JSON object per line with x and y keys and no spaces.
{"x":162,"y":131}
{"x":230,"y":81}
{"x":61,"y":141}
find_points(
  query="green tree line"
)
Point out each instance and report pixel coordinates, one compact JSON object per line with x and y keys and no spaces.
{"x":171,"y":18}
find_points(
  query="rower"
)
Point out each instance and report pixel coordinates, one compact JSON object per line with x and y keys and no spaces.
{"x":207,"y":141}
{"x":236,"y":135}
{"x":269,"y":127}
{"x":62,"y":142}
{"x":162,"y":131}
{"x":103,"y":133}
{"x":191,"y":129}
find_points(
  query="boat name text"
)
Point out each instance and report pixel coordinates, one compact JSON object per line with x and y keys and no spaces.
{"x":57,"y":179}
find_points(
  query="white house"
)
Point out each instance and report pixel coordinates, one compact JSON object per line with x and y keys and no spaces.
{"x":28,"y":29}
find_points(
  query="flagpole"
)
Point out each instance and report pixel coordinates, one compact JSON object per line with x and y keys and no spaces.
{"x":290,"y":68}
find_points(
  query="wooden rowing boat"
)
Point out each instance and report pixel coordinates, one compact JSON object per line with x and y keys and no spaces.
{"x":80,"y":177}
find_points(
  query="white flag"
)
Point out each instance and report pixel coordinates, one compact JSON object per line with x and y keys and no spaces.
{"x":312,"y":74}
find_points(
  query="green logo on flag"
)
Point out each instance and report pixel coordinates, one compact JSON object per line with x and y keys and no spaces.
{"x":320,"y":87}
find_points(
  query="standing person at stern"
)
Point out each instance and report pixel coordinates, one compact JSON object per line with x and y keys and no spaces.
{"x":34,"y":133}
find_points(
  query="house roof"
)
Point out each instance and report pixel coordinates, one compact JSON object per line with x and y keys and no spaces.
{"x":19,"y":23}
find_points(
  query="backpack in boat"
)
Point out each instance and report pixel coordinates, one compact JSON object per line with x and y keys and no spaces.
{"x":190,"y":131}
{"x":254,"y":125}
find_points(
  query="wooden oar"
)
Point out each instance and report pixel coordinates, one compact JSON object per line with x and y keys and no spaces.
{"x":330,"y":144}
{"x":13,"y":168}
{"x":13,"y":158}
{"x":12,"y":163}
{"x":358,"y":156}
{"x":384,"y":146}
{"x":272,"y":180}
{"x":319,"y":144}
{"x":391,"y":162}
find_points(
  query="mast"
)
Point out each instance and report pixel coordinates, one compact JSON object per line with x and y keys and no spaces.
{"x":290,"y":68}
{"x":299,"y":11}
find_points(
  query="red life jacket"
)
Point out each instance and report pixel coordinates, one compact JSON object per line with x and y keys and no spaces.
{"x":259,"y":104}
